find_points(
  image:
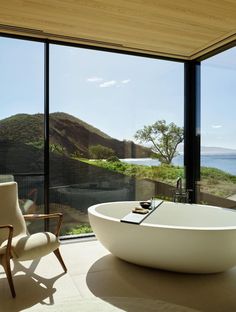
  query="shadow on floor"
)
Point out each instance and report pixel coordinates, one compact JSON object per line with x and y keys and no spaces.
{"x":30,"y":289}
{"x":110,"y":278}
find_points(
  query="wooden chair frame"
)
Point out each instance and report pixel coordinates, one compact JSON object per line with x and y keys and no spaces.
{"x":7,"y":256}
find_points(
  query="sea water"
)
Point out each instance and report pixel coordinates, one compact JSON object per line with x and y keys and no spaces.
{"x":225,"y":162}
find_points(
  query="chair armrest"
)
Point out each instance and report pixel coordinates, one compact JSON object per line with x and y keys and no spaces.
{"x":33,"y":217}
{"x":9,"y":240}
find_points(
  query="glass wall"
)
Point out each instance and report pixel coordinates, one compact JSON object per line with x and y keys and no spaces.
{"x":116,"y":128}
{"x":22,"y":121}
{"x":107,"y":114}
{"x":218,"y":151}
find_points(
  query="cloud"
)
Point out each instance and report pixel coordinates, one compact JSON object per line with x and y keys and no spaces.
{"x":94,"y":79}
{"x":125,"y":81}
{"x":108,"y":84}
{"x":216,"y":126}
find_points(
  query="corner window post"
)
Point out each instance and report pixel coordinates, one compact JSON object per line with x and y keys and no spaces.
{"x":46,"y":132}
{"x":192,"y":127}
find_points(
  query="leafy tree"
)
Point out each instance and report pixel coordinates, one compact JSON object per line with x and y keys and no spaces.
{"x":37,"y":144}
{"x":164,"y":139}
{"x":113,"y":159}
{"x":77,"y":154}
{"x":57,"y":148}
{"x":100,"y":152}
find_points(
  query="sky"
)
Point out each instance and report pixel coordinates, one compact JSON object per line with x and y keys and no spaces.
{"x":218,"y":100}
{"x":116,"y":93}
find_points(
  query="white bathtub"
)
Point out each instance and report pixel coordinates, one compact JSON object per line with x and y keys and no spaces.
{"x":177,"y":237}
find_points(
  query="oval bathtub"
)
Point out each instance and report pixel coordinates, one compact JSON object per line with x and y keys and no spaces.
{"x":177,"y":237}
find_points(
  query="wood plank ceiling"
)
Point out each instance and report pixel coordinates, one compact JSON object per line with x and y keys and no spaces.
{"x":183,"y":29}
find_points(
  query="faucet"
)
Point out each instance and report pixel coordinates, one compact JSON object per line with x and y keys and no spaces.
{"x":179,"y":185}
{"x":180,"y":195}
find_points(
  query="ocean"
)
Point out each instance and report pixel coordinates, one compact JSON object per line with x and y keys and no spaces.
{"x":225,"y":162}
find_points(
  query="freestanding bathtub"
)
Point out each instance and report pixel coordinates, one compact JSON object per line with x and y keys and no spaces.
{"x":178,"y":237}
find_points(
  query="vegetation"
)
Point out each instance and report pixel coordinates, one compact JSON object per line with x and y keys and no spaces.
{"x":163,"y":173}
{"x":23,"y":128}
{"x":39,"y":144}
{"x":164,"y":139}
{"x":217,"y":182}
{"x":113,"y":159}
{"x":69,"y":136}
{"x":57,"y":148}
{"x":79,"y":229}
{"x":100,"y":152}
{"x":74,"y":120}
{"x":213,"y":181}
{"x":163,"y":197}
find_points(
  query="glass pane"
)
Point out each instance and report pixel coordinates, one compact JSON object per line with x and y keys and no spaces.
{"x":22,"y":119}
{"x":218,"y":153}
{"x":99,"y":101}
{"x":31,"y":198}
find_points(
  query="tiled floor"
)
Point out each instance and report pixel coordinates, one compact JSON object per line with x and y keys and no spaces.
{"x":97,"y":281}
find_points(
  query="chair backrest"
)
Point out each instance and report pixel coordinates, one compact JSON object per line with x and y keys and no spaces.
{"x":10,"y":212}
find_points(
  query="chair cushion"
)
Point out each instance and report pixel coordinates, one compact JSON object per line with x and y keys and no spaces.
{"x":29,"y":247}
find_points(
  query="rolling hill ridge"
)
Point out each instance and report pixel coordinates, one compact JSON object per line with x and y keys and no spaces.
{"x":72,"y":134}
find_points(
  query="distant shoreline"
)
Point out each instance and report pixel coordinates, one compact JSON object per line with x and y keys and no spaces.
{"x":213,"y":150}
{"x":225,"y":162}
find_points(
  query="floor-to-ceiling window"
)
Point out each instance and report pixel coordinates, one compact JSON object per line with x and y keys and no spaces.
{"x":116,"y":130}
{"x":115,"y":121}
{"x":22,"y":121}
{"x":218,"y":151}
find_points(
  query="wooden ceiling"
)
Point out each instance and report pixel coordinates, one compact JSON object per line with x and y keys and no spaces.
{"x":183,"y":29}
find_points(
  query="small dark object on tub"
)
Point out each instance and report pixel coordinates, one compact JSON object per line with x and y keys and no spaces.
{"x":145,"y":204}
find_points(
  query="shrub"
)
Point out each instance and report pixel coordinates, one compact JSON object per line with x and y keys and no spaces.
{"x":113,"y":159}
{"x":100,"y":152}
{"x":80,"y":229}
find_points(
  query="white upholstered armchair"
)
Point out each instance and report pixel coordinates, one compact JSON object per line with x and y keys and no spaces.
{"x":15,"y":241}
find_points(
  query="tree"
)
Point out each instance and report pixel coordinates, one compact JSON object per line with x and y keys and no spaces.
{"x":164,"y":139}
{"x":100,"y":152}
{"x":57,"y":148}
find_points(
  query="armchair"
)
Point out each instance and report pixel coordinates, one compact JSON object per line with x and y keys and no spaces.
{"x":15,"y":241}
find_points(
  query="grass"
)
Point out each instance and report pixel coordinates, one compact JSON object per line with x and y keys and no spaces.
{"x":77,"y":230}
{"x":217,"y":182}
{"x":163,"y":173}
{"x":213,"y":181}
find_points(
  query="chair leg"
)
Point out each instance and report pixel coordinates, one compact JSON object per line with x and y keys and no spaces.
{"x":59,"y":257}
{"x":7,"y":268}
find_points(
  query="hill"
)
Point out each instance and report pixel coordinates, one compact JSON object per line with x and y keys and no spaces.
{"x":68,"y":133}
{"x":23,"y":128}
{"x":205,"y":150}
{"x":211,"y":150}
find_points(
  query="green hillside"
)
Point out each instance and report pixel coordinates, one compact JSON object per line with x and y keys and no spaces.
{"x":69,"y":135}
{"x":82,"y":123}
{"x":23,"y":128}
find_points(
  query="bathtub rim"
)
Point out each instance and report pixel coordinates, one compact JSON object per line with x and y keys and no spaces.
{"x":92,"y":211}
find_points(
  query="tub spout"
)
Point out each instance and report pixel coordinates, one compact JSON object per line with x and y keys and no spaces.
{"x":180,"y":195}
{"x":179,"y":184}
